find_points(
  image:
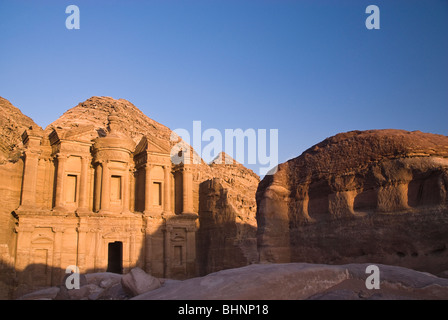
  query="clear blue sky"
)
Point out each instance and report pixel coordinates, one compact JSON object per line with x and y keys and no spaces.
{"x":310,"y":69}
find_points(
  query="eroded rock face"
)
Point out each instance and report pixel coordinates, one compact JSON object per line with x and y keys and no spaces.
{"x":227,"y":234}
{"x":378,"y":195}
{"x":12,"y":124}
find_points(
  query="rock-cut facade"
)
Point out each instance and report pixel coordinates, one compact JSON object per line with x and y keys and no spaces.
{"x":99,"y":201}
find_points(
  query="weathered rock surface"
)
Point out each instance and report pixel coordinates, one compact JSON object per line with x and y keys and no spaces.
{"x":12,"y":124}
{"x":227,"y":208}
{"x":299,"y":281}
{"x":378,"y":195}
{"x":138,"y":281}
{"x":93,"y":286}
{"x":291,"y":281}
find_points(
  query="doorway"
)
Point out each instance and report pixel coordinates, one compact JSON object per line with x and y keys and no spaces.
{"x":115,"y":257}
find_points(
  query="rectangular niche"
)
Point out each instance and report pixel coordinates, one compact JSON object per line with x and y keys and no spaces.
{"x":71,"y":187}
{"x":157,"y":193}
{"x":178,"y":261}
{"x":115,"y":188}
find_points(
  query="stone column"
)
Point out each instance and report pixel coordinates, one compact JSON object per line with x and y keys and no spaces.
{"x":148,"y":181}
{"x":187,"y":192}
{"x":148,"y":246}
{"x":97,"y":250}
{"x":105,"y":188}
{"x":57,"y":256}
{"x":83,"y":204}
{"x":132,"y":187}
{"x":191,"y":249}
{"x":60,"y":175}
{"x":126,"y":190}
{"x":167,"y":189}
{"x":168,"y":252}
{"x":132,"y":256}
{"x":98,"y":178}
{"x":30,"y":179}
{"x":24,"y":235}
{"x":81,"y":254}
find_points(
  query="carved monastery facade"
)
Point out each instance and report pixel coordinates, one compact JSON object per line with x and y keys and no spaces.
{"x":103,"y":204}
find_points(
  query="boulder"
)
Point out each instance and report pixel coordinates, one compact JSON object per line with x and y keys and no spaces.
{"x":138,"y":281}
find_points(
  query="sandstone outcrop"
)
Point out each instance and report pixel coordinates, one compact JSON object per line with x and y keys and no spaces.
{"x":227,"y":208}
{"x":12,"y":124}
{"x":378,"y":195}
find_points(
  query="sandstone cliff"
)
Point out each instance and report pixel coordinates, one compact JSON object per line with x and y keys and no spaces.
{"x":12,"y":124}
{"x":378,"y":195}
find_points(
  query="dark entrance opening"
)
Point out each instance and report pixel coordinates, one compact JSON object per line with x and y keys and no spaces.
{"x":115,"y":257}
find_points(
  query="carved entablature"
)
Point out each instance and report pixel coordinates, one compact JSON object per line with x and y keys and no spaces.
{"x":152,"y":151}
{"x":32,"y":137}
{"x":65,"y":142}
{"x":113,"y":148}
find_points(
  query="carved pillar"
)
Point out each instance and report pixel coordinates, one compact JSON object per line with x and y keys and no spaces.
{"x":30,"y":179}
{"x":191,"y":250}
{"x":148,"y":188}
{"x":167,"y":189}
{"x":126,"y":190}
{"x":105,"y":188}
{"x":81,"y":257}
{"x":23,"y":256}
{"x":31,"y":140}
{"x":132,"y":256}
{"x":98,"y":178}
{"x":57,"y":256}
{"x":132,"y":187}
{"x":59,"y":195}
{"x":168,"y":251}
{"x":83,"y":204}
{"x":148,"y":246}
{"x":98,"y":259}
{"x":187,"y":192}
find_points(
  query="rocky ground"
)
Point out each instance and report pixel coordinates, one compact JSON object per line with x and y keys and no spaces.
{"x":290,"y":281}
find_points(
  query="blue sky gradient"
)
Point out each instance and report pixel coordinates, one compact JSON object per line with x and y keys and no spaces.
{"x":310,"y":69}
